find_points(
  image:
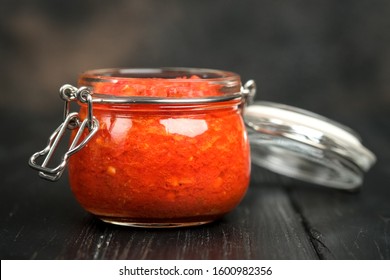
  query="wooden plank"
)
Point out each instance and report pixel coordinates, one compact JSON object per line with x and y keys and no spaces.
{"x":343,"y":225}
{"x":346,"y":225}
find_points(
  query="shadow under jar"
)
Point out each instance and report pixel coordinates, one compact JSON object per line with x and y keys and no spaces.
{"x":171,"y":148}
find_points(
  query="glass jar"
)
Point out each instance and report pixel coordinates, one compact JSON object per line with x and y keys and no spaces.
{"x":168,"y":147}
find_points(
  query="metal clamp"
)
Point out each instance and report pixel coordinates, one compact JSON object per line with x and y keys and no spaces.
{"x":71,"y":121}
{"x":248,"y":92}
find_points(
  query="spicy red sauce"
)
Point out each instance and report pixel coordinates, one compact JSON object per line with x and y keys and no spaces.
{"x":159,"y":164}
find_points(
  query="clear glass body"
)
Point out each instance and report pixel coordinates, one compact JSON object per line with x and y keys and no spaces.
{"x":158,"y":164}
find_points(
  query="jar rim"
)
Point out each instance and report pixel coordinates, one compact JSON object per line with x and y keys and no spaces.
{"x":229,"y":82}
{"x":174,"y":74}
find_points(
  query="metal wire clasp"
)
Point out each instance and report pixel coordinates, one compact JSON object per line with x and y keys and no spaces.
{"x":70,"y":121}
{"x":248,"y":91}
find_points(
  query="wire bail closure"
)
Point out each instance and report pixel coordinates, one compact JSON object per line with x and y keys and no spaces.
{"x":70,"y":121}
{"x":248,"y":92}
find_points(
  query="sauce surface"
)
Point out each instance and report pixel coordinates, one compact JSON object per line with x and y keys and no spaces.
{"x":188,"y":87}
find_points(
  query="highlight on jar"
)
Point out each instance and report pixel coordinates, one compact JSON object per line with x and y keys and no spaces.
{"x":169,"y":147}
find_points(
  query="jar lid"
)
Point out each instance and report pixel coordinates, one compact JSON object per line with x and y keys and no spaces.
{"x":306,"y":146}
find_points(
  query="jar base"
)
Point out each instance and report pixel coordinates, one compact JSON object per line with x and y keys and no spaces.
{"x":146,"y":224}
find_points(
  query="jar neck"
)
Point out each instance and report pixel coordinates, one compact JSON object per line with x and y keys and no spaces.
{"x":164,"y":85}
{"x":163,"y":89}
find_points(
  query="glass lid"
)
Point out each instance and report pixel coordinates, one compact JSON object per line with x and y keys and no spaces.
{"x":306,"y":146}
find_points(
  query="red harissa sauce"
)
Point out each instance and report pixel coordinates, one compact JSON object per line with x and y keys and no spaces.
{"x":151,"y":163}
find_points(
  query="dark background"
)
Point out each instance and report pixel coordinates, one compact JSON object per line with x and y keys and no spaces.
{"x":307,"y":53}
{"x":331,"y":57}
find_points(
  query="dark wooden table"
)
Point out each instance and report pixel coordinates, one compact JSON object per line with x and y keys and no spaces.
{"x":279,"y":218}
